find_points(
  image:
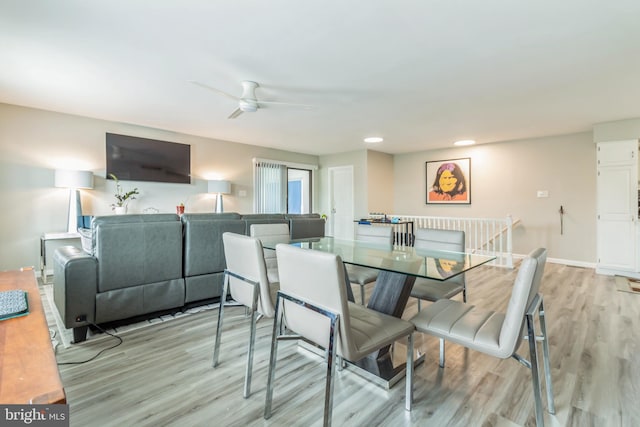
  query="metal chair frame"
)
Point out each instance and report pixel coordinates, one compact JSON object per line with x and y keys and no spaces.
{"x":537,"y":305}
{"x":330,"y":355}
{"x":252,"y":328}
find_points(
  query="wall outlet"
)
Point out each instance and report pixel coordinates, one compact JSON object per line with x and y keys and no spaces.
{"x":543,"y":193}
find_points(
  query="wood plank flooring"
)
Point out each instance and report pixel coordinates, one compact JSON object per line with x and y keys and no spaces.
{"x":162,"y":375}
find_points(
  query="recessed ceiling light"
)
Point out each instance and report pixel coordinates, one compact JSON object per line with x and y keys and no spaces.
{"x":465,"y":142}
{"x":373,"y":139}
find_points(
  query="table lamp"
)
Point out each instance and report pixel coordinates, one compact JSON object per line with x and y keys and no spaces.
{"x":73,"y":180}
{"x":220,"y":188}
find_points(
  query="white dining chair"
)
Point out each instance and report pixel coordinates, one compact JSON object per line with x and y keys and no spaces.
{"x":273,"y":233}
{"x":245,"y":279}
{"x":431,"y":239}
{"x":312,"y":303}
{"x":360,"y":275}
{"x":500,"y":334}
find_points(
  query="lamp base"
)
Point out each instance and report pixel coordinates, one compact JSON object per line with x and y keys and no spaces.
{"x":75,"y":209}
{"x":219,"y":203}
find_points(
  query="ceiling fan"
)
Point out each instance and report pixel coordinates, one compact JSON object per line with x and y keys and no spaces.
{"x":247,"y":102}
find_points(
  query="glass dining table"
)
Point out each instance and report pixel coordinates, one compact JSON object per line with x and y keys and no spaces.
{"x":398,"y":266}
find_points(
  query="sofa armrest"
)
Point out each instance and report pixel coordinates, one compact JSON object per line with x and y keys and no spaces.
{"x":75,"y":284}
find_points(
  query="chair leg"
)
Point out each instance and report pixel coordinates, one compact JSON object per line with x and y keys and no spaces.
{"x":441,"y":361}
{"x":409,"y":374}
{"x":419,"y":307}
{"x":535,"y":373}
{"x":331,"y":368}
{"x":362,"y":294}
{"x":252,"y":340}
{"x":223,"y":298}
{"x":547,"y":361}
{"x":272,"y":359}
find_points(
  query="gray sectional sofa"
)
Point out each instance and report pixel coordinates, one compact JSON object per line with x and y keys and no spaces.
{"x":134,"y":265}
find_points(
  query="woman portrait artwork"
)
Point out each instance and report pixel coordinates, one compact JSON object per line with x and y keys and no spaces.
{"x":448,"y":181}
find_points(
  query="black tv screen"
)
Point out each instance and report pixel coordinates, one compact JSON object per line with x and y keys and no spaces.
{"x":131,"y":158}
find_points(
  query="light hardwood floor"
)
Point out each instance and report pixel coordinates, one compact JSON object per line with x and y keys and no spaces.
{"x":162,"y":375}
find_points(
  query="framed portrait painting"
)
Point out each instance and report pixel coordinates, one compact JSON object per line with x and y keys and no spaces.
{"x":449,"y":181}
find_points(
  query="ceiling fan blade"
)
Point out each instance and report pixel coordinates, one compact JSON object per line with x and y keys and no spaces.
{"x":305,"y":106}
{"x":235,"y":113}
{"x":213,"y":89}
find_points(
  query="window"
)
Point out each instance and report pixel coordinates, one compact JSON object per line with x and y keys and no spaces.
{"x":298,"y":191}
{"x":282,"y":187}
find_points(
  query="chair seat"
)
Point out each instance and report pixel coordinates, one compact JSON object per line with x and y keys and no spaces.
{"x":371,"y":330}
{"x":463,"y":324}
{"x":433,"y":290}
{"x":361,"y":275}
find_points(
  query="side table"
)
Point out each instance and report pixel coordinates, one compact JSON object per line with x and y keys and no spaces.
{"x":43,"y":248}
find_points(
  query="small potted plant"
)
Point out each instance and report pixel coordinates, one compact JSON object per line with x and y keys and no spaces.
{"x":122,"y":197}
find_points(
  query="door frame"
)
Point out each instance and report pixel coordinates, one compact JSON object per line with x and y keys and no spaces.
{"x":348,"y":221}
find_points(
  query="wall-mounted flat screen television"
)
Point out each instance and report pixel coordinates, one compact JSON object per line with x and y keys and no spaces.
{"x":131,"y":158}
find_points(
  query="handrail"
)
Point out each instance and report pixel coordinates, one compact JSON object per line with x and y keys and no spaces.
{"x":489,"y":236}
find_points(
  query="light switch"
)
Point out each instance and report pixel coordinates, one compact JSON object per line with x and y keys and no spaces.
{"x":543,"y":193}
{"x":242,"y":193}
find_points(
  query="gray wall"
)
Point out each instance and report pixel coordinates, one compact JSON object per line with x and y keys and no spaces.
{"x":505,"y":178}
{"x":33,"y":143}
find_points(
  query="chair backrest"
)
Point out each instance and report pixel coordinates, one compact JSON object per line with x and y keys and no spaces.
{"x":432,"y":239}
{"x":439,"y":240}
{"x":525,"y":288}
{"x":374,"y":234}
{"x":245,"y":258}
{"x":318,"y":278}
{"x":273,"y":233}
{"x":539,"y":254}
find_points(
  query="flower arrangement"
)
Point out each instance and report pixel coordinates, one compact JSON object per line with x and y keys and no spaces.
{"x":122,"y":197}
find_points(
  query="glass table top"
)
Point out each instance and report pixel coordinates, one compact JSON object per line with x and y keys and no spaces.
{"x":437,"y":265}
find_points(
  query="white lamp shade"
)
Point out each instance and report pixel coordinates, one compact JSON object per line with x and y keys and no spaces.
{"x":73,"y":179}
{"x":221,"y":187}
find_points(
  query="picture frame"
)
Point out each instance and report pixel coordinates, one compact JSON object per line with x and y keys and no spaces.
{"x":448,"y":181}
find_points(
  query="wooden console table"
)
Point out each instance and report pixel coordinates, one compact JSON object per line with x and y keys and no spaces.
{"x":28,"y":372}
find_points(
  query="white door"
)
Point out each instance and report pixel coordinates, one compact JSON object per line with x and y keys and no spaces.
{"x":341,"y":202}
{"x":617,"y":205}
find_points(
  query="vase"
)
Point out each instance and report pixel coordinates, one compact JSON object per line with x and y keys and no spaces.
{"x":120,"y":210}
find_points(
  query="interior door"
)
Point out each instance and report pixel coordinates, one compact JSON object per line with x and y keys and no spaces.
{"x":617,"y":205}
{"x":340,"y":221}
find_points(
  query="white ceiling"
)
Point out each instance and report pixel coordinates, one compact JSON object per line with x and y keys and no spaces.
{"x":419,"y":73}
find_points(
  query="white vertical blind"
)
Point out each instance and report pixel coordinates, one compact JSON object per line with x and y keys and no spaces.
{"x":270,"y":195}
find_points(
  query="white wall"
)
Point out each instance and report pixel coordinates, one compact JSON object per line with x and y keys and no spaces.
{"x":380,"y":182}
{"x":33,"y":143}
{"x":505,"y":178}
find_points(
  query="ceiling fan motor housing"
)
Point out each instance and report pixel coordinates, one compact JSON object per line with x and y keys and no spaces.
{"x":248,"y":100}
{"x":248,"y":105}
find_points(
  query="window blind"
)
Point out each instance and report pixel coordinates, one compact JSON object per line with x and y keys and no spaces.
{"x":270,"y":195}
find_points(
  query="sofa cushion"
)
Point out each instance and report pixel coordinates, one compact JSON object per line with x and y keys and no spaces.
{"x":306,"y":225}
{"x":203,"y":248}
{"x":137,"y":249}
{"x":128,"y":302}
